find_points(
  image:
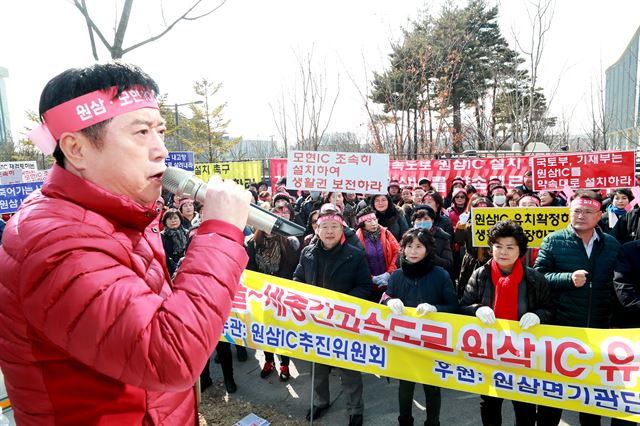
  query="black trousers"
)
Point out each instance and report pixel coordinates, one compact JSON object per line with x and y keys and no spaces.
{"x":550,"y":416}
{"x":491,"y":412}
{"x":268,"y":356}
{"x":226,"y":362}
{"x":405,"y":399}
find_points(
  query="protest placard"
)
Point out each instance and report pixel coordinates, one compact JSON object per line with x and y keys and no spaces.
{"x":584,"y":170}
{"x":475,"y":171}
{"x":10,"y":176}
{"x":580,"y":369}
{"x":11,"y":196}
{"x":537,"y":222}
{"x":34,"y":175}
{"x":243,"y":172}
{"x":338,"y":171}
{"x":8,"y":165}
{"x":181,"y":159}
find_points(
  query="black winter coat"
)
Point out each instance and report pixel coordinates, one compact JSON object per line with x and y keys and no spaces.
{"x":443,"y":256}
{"x":626,"y":282}
{"x":288,"y":259}
{"x":628,"y":227}
{"x":349,"y":273}
{"x":480,"y":291}
{"x":434,"y":287}
{"x":562,"y":253}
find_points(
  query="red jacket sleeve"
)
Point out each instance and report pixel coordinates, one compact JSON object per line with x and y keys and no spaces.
{"x":80,"y":292}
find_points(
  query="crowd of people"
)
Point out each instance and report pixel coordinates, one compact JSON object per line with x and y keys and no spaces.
{"x":413,"y":248}
{"x":102,"y":334}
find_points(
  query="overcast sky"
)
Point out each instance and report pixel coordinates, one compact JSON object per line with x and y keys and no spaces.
{"x":250,"y":47}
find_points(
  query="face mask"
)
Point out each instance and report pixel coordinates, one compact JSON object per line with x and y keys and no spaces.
{"x":424,"y":225}
{"x":315,"y":195}
{"x":499,"y":199}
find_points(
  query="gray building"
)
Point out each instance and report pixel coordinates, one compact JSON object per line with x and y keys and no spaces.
{"x":5,"y":126}
{"x":622,"y":98}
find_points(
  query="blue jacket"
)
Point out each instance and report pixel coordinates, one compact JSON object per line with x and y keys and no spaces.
{"x":434,"y":287}
{"x":562,"y":253}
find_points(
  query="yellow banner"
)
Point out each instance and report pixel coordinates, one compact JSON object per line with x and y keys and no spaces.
{"x":537,"y":222}
{"x":585,"y":370}
{"x":243,"y":172}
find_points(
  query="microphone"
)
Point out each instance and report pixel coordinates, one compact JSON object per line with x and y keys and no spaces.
{"x":186,"y":185}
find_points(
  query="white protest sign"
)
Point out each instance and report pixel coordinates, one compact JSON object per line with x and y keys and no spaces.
{"x":10,"y":176}
{"x":34,"y":175}
{"x":25,"y":165}
{"x":338,"y":171}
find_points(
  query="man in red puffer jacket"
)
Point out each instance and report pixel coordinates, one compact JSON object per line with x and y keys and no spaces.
{"x":99,"y":334}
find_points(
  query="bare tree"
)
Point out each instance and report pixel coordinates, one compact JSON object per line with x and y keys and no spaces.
{"x":116,"y":48}
{"x":310,"y":106}
{"x":529,"y":108}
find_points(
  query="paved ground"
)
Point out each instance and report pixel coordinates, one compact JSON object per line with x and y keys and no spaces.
{"x":380,"y":394}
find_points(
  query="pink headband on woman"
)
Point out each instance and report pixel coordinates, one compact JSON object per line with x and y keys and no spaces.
{"x":530,"y":199}
{"x":367,"y":217}
{"x":85,"y":111}
{"x":586,"y":202}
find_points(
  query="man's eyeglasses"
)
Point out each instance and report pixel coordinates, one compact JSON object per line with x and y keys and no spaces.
{"x":584,"y":213}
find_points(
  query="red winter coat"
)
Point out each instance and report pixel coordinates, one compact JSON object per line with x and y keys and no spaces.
{"x":390,"y":247}
{"x":94,"y":330}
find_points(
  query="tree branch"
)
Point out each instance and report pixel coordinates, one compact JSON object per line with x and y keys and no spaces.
{"x":92,"y":24}
{"x":184,"y":17}
{"x":91,"y":38}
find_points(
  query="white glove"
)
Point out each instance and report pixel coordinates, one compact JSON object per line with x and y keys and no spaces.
{"x":463,"y":218}
{"x":382,"y":279}
{"x":396,"y":306}
{"x":486,"y":315}
{"x":425,"y":308}
{"x":529,"y":320}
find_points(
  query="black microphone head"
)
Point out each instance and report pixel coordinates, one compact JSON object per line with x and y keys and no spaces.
{"x":173,"y":178}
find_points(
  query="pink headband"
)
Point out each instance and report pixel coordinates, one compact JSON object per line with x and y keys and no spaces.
{"x":366,"y":217}
{"x":85,"y":111}
{"x":529,"y":198}
{"x":333,"y":217}
{"x":586,"y":202}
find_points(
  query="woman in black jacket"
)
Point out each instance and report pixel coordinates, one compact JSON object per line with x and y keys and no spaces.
{"x":278,"y":256}
{"x":505,"y":288}
{"x":389,"y":215}
{"x":174,"y":238}
{"x":422,"y":285}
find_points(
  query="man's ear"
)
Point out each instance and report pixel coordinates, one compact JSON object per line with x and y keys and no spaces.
{"x":75,"y":147}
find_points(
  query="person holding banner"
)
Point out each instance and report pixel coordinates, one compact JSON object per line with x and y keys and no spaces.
{"x":100,"y":334}
{"x":332,"y":263}
{"x":275,"y":255}
{"x":505,"y":288}
{"x":527,"y":183}
{"x":578,"y":262}
{"x":423,"y":285}
{"x":619,"y":199}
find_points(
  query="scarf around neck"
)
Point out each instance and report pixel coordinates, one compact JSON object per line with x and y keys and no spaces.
{"x":373,"y":236}
{"x":178,"y":237}
{"x":269,"y":254}
{"x":506,"y":288}
{"x":418,"y":269}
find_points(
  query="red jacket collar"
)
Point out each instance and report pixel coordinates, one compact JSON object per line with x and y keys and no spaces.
{"x":63,"y":184}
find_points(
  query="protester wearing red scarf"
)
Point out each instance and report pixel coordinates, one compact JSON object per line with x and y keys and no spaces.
{"x":506,"y":302}
{"x":507,"y":289}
